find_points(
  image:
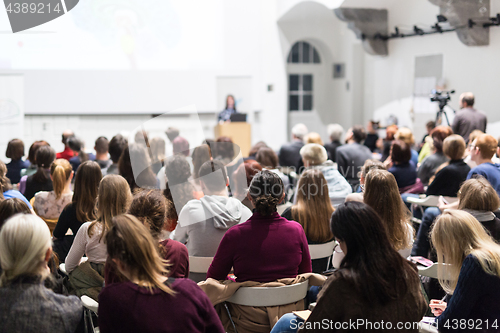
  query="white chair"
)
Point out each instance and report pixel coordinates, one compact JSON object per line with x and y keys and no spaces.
{"x":199,"y":264}
{"x":431,"y":271}
{"x":90,"y":307}
{"x":62,"y":267}
{"x":270,"y":296}
{"x":426,"y":201}
{"x":319,"y":251}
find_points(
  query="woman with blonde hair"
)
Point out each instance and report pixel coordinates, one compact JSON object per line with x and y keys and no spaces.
{"x":113,"y":199}
{"x":404,"y":134}
{"x":313,"y":210}
{"x":28,"y":306}
{"x":50,"y":204}
{"x":471,"y":274}
{"x":140,"y":303}
{"x":313,"y":137}
{"x":382,"y":194}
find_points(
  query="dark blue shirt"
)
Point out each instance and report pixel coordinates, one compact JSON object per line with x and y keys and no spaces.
{"x":226,"y":114}
{"x":14,"y":170}
{"x":489,"y":171}
{"x":405,"y":174}
{"x":476,"y":297}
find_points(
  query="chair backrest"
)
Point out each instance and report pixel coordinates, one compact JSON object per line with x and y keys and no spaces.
{"x":199,"y":264}
{"x":270,"y":296}
{"x":430,"y":200}
{"x":89,"y":303}
{"x":318,"y":251}
{"x":431,"y":271}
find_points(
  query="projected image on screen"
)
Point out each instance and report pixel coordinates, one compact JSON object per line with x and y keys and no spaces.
{"x":121,"y":34}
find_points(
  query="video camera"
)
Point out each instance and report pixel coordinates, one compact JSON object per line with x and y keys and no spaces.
{"x":441,"y":96}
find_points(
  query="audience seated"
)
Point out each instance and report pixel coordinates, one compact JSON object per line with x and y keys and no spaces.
{"x":367,"y":167}
{"x":140,"y":303}
{"x":477,"y":197}
{"x":31,"y":169}
{"x":371,"y":135}
{"x":157,"y":151}
{"x":452,"y":174}
{"x":11,"y":207}
{"x":352,"y":156}
{"x":80,"y":210}
{"x":67,"y":153}
{"x":179,"y":189}
{"x":402,"y":167}
{"x":335,"y":132}
{"x":49,"y":205}
{"x":267,"y":246}
{"x":390,"y":132}
{"x":203,"y":223}
{"x":423,"y":153}
{"x":289,"y":154}
{"x":40,"y":181}
{"x":382,"y":194}
{"x":26,"y":304}
{"x":314,"y":156}
{"x":430,"y":164}
{"x":313,"y":210}
{"x":472,"y":274}
{"x":113,"y":199}
{"x":374,"y":283}
{"x":313,"y":137}
{"x":472,"y":136}
{"x":404,"y":134}
{"x":245,"y":171}
{"x":116,"y":147}
{"x":268,"y":159}
{"x":81,"y":156}
{"x":482,"y":151}
{"x":101,"y":150}
{"x":135,"y":157}
{"x":15,"y":151}
{"x":6,"y":186}
{"x":150,"y":207}
{"x":254,"y":149}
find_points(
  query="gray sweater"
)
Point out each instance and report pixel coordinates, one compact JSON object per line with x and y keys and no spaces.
{"x":29,"y":307}
{"x":203,"y":223}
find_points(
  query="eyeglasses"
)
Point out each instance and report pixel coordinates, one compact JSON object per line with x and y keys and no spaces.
{"x":472,"y":147}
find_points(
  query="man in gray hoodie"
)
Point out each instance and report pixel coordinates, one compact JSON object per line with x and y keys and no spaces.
{"x":202,"y":223}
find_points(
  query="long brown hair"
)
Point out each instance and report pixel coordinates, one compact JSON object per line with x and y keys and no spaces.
{"x":87,"y":181}
{"x":129,"y":241}
{"x":478,"y":194}
{"x":313,"y":210}
{"x":60,"y":170}
{"x":113,"y":199}
{"x":370,"y":256}
{"x":382,"y":194}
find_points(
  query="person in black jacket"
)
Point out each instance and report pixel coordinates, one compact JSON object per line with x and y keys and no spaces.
{"x":447,"y":181}
{"x":41,"y":181}
{"x":289,"y":154}
{"x":335,"y":132}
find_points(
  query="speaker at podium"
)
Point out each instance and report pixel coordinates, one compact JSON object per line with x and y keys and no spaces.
{"x":238,"y":130}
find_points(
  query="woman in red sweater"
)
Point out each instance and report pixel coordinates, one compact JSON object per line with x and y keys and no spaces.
{"x":149,"y":301}
{"x":267,"y":246}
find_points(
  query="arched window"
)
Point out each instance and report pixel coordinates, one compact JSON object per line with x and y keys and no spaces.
{"x":303,"y":53}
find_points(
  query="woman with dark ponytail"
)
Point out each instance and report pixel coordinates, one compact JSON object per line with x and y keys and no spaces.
{"x":267,"y":247}
{"x":41,"y":181}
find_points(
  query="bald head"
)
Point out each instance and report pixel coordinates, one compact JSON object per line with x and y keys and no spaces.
{"x":467,"y":100}
{"x":67,"y":134}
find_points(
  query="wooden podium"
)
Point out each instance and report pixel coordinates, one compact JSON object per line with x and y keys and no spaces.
{"x":239,"y":132}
